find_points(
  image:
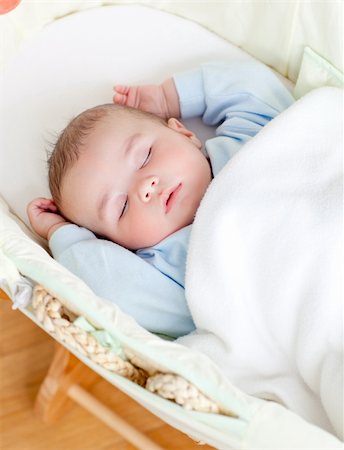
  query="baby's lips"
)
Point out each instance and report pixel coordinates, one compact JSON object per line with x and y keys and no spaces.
{"x":170,"y":196}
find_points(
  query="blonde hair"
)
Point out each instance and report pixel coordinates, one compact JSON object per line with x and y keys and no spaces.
{"x":69,"y":143}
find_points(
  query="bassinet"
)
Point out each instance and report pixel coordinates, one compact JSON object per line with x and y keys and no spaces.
{"x":205,"y":405}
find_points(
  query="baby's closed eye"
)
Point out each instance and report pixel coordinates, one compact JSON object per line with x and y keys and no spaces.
{"x":125,"y":207}
{"x":146,"y":158}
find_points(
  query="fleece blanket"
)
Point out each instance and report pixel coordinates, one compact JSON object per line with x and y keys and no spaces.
{"x":263,"y":279}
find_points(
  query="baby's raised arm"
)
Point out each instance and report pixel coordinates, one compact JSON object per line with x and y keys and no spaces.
{"x":161,"y":100}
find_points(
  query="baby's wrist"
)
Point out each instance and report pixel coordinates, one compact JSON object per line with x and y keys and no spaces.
{"x":55,"y":227}
{"x":172,"y":99}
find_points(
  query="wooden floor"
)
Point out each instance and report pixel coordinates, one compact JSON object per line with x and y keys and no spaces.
{"x":25,"y":354}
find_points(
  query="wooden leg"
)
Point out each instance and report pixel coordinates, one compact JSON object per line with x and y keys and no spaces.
{"x":65,"y":370}
{"x":113,"y":420}
{"x":67,"y":379}
{"x":4,"y":296}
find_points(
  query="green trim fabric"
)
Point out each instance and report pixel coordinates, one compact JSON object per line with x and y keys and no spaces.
{"x":316,"y":72}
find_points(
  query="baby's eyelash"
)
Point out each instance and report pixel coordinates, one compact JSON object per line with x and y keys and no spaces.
{"x":148,"y":157}
{"x":124,"y":208}
{"x":125,"y":205}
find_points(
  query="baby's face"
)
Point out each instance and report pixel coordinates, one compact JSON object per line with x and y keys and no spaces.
{"x":136,"y":181}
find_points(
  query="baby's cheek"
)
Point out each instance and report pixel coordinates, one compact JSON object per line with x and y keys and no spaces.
{"x":146,"y":234}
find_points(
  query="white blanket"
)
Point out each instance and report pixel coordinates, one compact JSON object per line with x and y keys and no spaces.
{"x":263,"y":277}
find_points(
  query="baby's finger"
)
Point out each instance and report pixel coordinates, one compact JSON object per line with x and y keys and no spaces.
{"x":46,"y":204}
{"x":51,"y":207}
{"x":121,"y":89}
{"x":120,"y":99}
{"x":34,"y":204}
{"x":51,"y":204}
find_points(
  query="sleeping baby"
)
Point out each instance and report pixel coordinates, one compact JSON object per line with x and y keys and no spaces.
{"x":130,"y":175}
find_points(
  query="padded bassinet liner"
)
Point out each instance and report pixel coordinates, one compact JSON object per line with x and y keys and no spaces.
{"x":70,"y":66}
{"x":275,"y":32}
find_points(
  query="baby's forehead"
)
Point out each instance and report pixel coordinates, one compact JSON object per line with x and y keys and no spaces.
{"x":122,"y":125}
{"x":134,"y":116}
{"x":118,"y":122}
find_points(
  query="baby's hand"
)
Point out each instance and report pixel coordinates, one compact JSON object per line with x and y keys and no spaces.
{"x":147,"y":98}
{"x":44,"y":218}
{"x":161,"y":100}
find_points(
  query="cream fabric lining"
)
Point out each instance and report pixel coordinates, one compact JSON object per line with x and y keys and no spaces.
{"x":274,"y":32}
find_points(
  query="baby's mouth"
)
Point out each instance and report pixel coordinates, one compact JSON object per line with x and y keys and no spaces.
{"x":171,"y":197}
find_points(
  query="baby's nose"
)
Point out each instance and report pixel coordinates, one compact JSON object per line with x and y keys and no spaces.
{"x":147,"y":188}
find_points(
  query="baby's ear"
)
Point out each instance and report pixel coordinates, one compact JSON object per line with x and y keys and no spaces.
{"x":175,"y":125}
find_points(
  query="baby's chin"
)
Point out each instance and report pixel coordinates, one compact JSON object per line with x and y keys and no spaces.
{"x":146,"y":243}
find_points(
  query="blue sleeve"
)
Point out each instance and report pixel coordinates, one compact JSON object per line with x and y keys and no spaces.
{"x":155,"y":301}
{"x":239,"y":98}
